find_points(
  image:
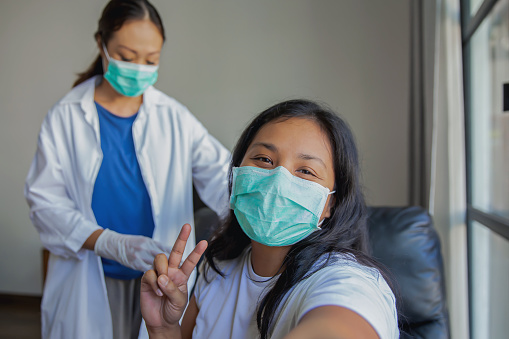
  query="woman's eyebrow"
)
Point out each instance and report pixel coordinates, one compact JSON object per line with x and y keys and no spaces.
{"x":270,"y":147}
{"x":129,"y":49}
{"x":133,"y":51}
{"x":311,"y":157}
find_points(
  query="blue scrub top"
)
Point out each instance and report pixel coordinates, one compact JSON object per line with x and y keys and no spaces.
{"x":120,"y":200}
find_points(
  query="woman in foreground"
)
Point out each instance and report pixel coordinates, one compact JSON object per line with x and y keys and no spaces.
{"x":290,"y":262}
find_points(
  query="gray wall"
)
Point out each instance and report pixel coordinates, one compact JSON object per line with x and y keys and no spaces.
{"x":225,"y":60}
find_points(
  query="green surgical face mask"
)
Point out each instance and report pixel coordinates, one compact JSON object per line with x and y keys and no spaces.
{"x":127,"y":78}
{"x":274,"y":207}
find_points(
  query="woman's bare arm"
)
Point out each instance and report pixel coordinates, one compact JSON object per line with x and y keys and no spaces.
{"x":189,"y":320}
{"x":332,"y":322}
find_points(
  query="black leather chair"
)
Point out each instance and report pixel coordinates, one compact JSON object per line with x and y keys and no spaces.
{"x":404,"y":240}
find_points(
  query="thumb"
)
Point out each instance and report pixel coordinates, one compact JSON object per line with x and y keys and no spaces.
{"x":170,"y":290}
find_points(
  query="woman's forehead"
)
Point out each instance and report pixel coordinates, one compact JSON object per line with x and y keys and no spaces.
{"x":138,"y":33}
{"x":297,"y":135}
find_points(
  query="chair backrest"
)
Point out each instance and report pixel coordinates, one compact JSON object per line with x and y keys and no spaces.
{"x":405,"y":241}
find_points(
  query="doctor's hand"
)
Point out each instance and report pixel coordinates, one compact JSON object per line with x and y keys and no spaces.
{"x":133,"y":251}
{"x":164,"y":289}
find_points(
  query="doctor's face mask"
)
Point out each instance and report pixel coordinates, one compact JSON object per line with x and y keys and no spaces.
{"x":128,"y":78}
{"x":281,"y":192}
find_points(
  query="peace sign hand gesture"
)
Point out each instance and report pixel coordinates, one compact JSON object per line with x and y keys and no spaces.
{"x":164,"y":289}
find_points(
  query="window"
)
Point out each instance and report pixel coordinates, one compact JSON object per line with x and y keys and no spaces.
{"x":485,"y":31}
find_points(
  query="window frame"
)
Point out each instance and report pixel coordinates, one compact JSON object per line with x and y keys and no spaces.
{"x":469,"y":25}
{"x":493,"y":222}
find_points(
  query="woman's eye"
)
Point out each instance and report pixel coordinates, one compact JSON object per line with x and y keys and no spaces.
{"x":306,"y":172}
{"x":150,"y":63}
{"x":263,"y":159}
{"x":125,"y":59}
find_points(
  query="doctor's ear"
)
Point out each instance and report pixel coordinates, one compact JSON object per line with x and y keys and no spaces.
{"x":99,"y":43}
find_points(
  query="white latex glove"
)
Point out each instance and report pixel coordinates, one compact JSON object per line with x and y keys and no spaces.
{"x":133,"y":251}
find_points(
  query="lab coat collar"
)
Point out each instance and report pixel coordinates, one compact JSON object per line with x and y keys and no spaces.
{"x":83,"y":95}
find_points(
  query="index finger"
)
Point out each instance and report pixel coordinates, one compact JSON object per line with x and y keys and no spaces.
{"x":180,"y":245}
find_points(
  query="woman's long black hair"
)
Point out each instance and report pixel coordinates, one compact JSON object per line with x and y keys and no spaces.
{"x":114,"y":15}
{"x":344,"y":232}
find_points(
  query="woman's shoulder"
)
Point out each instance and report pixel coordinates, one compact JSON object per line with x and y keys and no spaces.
{"x":211,"y":282}
{"x":71,"y":105}
{"x":345,"y":266}
{"x":226,"y":267}
{"x":80,"y":93}
{"x":159,"y":98}
{"x":76,"y":101}
{"x":342,"y":278}
{"x":167,"y":107}
{"x":165,"y":103}
{"x":339,"y":279}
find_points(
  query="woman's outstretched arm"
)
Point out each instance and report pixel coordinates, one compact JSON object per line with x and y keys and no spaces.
{"x":332,"y":322}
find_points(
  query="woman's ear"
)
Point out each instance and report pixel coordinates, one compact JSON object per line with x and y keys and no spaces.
{"x":99,"y":42}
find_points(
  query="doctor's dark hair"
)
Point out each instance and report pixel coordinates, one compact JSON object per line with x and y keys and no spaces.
{"x":344,"y":232}
{"x":114,"y":15}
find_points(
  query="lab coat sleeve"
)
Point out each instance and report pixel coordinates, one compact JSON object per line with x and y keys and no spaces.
{"x":210,"y":168}
{"x":62,"y":227}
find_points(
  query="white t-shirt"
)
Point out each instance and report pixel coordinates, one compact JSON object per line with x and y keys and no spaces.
{"x":227,"y":306}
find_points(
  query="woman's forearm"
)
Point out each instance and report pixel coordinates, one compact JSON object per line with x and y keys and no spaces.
{"x":332,"y":322}
{"x":89,"y":244}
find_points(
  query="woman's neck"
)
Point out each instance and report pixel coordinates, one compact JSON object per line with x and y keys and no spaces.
{"x":267,"y":260}
{"x":114,"y":102}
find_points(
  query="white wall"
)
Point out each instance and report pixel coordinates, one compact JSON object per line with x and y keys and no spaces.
{"x":225,"y":60}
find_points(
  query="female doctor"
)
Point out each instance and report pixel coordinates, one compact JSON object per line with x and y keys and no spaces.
{"x":111,"y":182}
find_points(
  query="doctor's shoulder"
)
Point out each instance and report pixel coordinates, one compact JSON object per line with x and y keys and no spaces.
{"x":64,"y":110}
{"x":164,"y":103}
{"x":73,"y":102}
{"x":167,"y":107}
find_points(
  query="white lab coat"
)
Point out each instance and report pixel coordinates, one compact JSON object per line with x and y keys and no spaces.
{"x":173,"y":150}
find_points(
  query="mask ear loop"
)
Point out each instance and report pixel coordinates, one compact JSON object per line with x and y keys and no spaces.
{"x":323,"y":220}
{"x":105,"y":69}
{"x":106,"y":52}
